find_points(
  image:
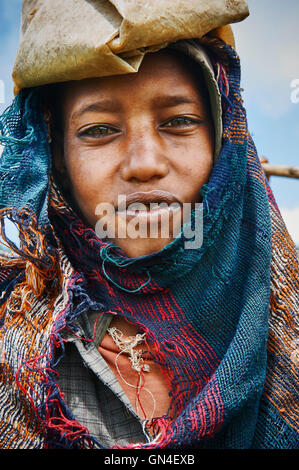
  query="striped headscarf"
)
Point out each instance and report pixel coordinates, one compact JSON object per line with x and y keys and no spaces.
{"x":222,"y":319}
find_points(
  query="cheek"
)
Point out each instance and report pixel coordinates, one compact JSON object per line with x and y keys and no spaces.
{"x":198,"y":163}
{"x":83,"y":176}
{"x":199,"y":176}
{"x":90,"y":178}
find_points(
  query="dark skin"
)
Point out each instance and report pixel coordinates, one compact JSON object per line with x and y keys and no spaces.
{"x":139,"y":132}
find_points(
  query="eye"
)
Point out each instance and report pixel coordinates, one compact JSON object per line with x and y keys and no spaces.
{"x":99,"y":131}
{"x":180,"y":122}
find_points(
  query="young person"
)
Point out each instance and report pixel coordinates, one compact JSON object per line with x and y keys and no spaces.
{"x":110,"y":339}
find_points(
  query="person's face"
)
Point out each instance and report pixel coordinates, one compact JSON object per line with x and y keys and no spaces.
{"x":136,"y":133}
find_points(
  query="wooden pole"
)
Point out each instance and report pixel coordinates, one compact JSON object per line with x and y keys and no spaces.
{"x":281,"y":170}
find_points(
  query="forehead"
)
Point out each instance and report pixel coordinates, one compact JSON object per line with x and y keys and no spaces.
{"x":161,"y":74}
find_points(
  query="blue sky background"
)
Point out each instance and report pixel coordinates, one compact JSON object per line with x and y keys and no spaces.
{"x":268,"y":45}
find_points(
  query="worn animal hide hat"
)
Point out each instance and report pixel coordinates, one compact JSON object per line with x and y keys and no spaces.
{"x":77,"y":39}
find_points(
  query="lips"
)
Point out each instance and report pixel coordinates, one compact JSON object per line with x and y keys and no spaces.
{"x":151,"y":197}
{"x":150,"y":206}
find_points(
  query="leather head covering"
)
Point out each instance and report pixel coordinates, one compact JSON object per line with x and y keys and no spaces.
{"x":77,"y":39}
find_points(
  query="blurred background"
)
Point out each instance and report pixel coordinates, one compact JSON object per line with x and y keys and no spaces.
{"x":267,"y":43}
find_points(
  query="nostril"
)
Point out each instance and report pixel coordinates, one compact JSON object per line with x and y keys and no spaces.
{"x":144,"y":170}
{"x":144,"y":158}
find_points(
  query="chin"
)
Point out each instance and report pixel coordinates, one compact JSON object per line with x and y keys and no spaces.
{"x":133,"y":248}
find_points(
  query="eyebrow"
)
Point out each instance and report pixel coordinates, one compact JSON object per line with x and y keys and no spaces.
{"x":102,"y":106}
{"x":112,"y":105}
{"x":171,"y":101}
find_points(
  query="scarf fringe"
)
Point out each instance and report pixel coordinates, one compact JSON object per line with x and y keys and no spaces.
{"x":33,"y":255}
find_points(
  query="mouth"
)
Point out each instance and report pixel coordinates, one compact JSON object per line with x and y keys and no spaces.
{"x":149,"y":205}
{"x":150,"y":197}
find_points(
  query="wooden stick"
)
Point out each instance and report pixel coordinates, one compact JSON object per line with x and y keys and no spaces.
{"x":281,"y":170}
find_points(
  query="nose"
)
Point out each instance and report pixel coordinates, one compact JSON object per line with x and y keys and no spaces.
{"x":145,"y":158}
